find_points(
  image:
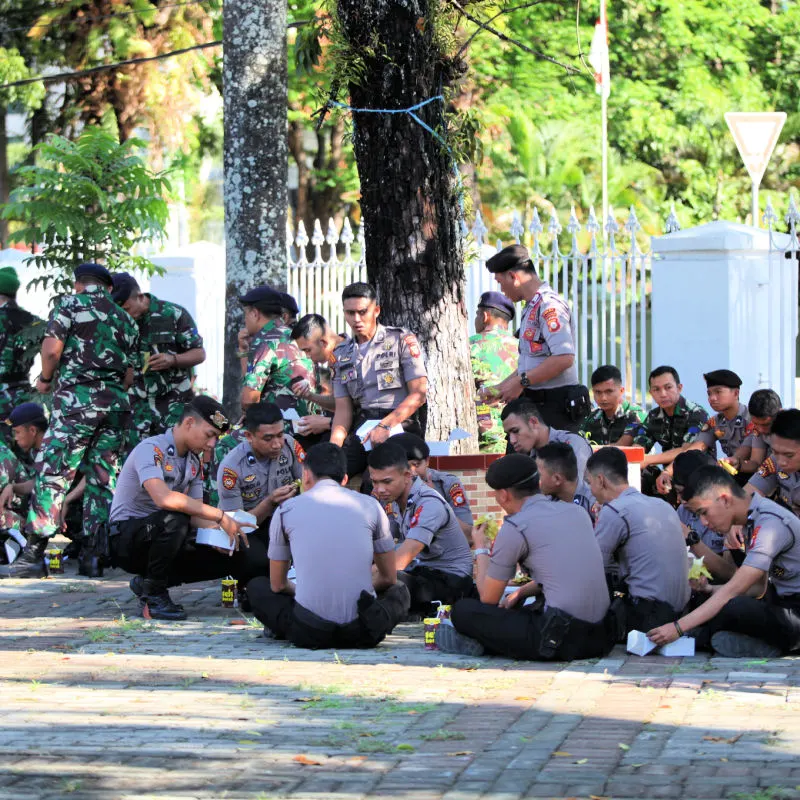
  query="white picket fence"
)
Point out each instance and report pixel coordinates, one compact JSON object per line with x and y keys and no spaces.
{"x":607,"y":284}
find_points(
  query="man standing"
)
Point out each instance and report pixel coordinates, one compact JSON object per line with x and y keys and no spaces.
{"x":333,"y":602}
{"x":614,"y":412}
{"x":20,"y":335}
{"x":494,"y":352}
{"x":90,"y":343}
{"x":379,"y":374}
{"x":169,"y":347}
{"x":547,"y":373}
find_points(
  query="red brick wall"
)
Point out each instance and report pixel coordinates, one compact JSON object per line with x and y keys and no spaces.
{"x":472,"y":471}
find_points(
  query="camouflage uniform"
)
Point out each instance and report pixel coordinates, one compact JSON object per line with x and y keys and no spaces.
{"x":13,"y":470}
{"x":494,"y":355}
{"x":225,"y":443}
{"x":598,"y":429}
{"x":158,"y":398}
{"x":90,"y":408}
{"x":669,"y":432}
{"x":20,"y":336}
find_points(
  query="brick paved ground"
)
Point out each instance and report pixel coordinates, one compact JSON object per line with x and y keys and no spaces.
{"x":95,"y":703}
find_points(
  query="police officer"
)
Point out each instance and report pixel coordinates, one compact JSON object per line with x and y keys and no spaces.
{"x":333,"y":601}
{"x":756,"y":613}
{"x":494,"y":352}
{"x":434,"y":556}
{"x":379,"y":374}
{"x":158,"y":499}
{"x":89,"y":344}
{"x":558,"y":477}
{"x":643,"y":535}
{"x":555,"y":544}
{"x":258,"y":475}
{"x":20,"y":335}
{"x":614,"y":413}
{"x":169,"y":347}
{"x":273,"y":361}
{"x":779,"y":476}
{"x":546,"y":373}
{"x":763,"y":405}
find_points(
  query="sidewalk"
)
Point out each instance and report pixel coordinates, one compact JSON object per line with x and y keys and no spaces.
{"x":97,"y":703}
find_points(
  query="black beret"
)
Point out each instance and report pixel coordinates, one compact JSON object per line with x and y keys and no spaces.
{"x":26,"y":414}
{"x":723,"y":377}
{"x":687,"y":462}
{"x":289,"y":303}
{"x":415,"y":447}
{"x":513,"y":257}
{"x":512,"y":470}
{"x":496,"y":300}
{"x":211,"y":411}
{"x":264,"y":297}
{"x":96,"y":271}
{"x":124,"y":284}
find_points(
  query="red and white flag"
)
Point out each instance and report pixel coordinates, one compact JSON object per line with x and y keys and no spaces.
{"x":598,"y":58}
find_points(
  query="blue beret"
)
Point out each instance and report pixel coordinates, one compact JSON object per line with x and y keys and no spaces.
{"x":95,"y":271}
{"x":124,"y":284}
{"x":289,"y":303}
{"x":26,"y":414}
{"x":498,"y":301}
{"x":263,"y":296}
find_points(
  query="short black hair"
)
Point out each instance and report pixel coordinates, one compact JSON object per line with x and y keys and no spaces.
{"x":559,"y":457}
{"x":306,"y":326}
{"x":517,"y":473}
{"x":764,"y":403}
{"x":359,"y":289}
{"x":40,"y":423}
{"x":711,"y":477}
{"x":687,"y":462}
{"x":611,"y":462}
{"x":326,"y":460}
{"x":260,"y":414}
{"x":787,"y":424}
{"x":497,"y":313}
{"x":387,"y":455}
{"x":415,"y":446}
{"x":608,"y":372}
{"x":663,"y":370}
{"x":522,"y":407}
{"x":266,"y":307}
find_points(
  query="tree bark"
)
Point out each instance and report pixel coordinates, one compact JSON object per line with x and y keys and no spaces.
{"x":255,"y":161}
{"x":4,"y":176}
{"x":410,"y":202}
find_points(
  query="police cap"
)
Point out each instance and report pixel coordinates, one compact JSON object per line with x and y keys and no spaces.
{"x":415,"y":447}
{"x":265,"y":297}
{"x":497,"y":301}
{"x":123,"y":287}
{"x":96,"y":271}
{"x":289,"y":303}
{"x":513,"y":471}
{"x":26,"y":414}
{"x":211,"y":411}
{"x":513,"y":257}
{"x":722,"y":377}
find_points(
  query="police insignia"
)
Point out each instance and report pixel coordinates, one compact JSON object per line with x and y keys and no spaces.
{"x":229,"y":478}
{"x":413,"y":345}
{"x":536,"y":347}
{"x":249,"y":478}
{"x":389,"y":509}
{"x":767,"y":468}
{"x":415,"y":518}
{"x":170,"y":451}
{"x":299,"y":453}
{"x":251,"y":459}
{"x":168,"y":468}
{"x":783,"y":475}
{"x":457,"y":495}
{"x":283,"y":460}
{"x":219,"y":420}
{"x":551,"y":317}
{"x":387,"y":345}
{"x":754,"y":536}
{"x":158,"y":456}
{"x":194,"y":470}
{"x":387,"y":379}
{"x":719,"y":433}
{"x":529,"y":334}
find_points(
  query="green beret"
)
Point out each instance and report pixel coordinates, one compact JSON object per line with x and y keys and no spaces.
{"x":9,"y":282}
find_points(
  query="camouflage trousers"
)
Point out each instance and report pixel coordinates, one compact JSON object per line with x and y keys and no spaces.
{"x":73,"y":441}
{"x":492,"y":437}
{"x":151,"y":417}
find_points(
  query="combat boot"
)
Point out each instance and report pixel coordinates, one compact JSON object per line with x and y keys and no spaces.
{"x":136,"y":585}
{"x":30,"y":562}
{"x":89,"y":564}
{"x":157,"y":604}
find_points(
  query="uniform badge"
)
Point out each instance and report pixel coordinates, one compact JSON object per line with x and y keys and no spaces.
{"x":299,"y":453}
{"x":551,"y":318}
{"x":170,"y":451}
{"x":387,"y":379}
{"x":536,"y":347}
{"x":283,"y":460}
{"x":389,"y":509}
{"x":738,"y":422}
{"x":219,"y":420}
{"x":457,"y":495}
{"x":194,"y":470}
{"x":783,"y":475}
{"x":754,"y":536}
{"x":415,"y":518}
{"x":251,"y":459}
{"x":529,"y":334}
{"x":413,"y":345}
{"x":750,"y":429}
{"x":704,"y":428}
{"x":719,"y":433}
{"x":249,"y":478}
{"x":168,"y":468}
{"x":229,"y":478}
{"x":158,"y":456}
{"x":768,"y":468}
{"x":777,"y":572}
{"x":387,"y":345}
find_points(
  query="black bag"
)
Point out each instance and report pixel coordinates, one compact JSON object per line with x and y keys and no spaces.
{"x":554,"y":630}
{"x":577,"y":404}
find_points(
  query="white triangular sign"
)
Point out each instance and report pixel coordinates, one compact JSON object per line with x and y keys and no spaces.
{"x":755,"y":134}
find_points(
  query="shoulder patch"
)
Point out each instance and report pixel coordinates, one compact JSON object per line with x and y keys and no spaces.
{"x":299,"y":453}
{"x":767,"y":468}
{"x":754,"y":536}
{"x":412,"y":344}
{"x":457,"y":495}
{"x":415,"y":518}
{"x":229,"y":478}
{"x":158,"y":456}
{"x":551,"y":318}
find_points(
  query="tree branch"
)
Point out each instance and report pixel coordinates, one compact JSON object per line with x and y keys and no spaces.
{"x":492,"y":19}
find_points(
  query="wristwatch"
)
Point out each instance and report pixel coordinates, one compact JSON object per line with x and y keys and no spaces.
{"x":524,"y":380}
{"x":481,"y":551}
{"x":692,"y":538}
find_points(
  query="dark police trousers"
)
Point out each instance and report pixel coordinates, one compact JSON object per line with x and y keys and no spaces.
{"x":642,"y":614}
{"x":427,"y":585}
{"x":531,"y":632}
{"x":563,"y":408}
{"x":287,"y":619}
{"x":354,"y":450}
{"x":774,"y":619}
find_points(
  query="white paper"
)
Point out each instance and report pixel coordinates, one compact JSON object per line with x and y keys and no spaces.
{"x":247,"y":520}
{"x":370,"y":425}
{"x":680,"y":647}
{"x":290,"y":414}
{"x":214,"y":537}
{"x":639,"y":644}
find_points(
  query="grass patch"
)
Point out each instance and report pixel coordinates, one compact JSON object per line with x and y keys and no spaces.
{"x":382,"y":746}
{"x":443,"y":736}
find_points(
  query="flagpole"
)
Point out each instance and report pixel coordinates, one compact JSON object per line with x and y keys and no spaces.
{"x":604,"y":126}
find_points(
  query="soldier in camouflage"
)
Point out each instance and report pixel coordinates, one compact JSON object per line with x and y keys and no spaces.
{"x":91,"y":343}
{"x":494,"y":353}
{"x":614,"y":413}
{"x":20,"y":336}
{"x":169,"y":347}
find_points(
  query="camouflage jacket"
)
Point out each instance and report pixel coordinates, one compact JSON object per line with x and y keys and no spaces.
{"x":274,"y":362}
{"x":598,"y":429}
{"x":20,"y":337}
{"x":168,"y":329}
{"x":100,"y":344}
{"x":669,"y":432}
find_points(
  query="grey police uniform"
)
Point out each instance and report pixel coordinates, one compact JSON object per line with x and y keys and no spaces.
{"x":333,"y":564}
{"x":730,"y":433}
{"x":644,"y":535}
{"x":783,"y":487}
{"x":583,"y":451}
{"x":555,"y":544}
{"x":713,"y":540}
{"x":772,"y":544}
{"x":451,"y":488}
{"x":443,"y":570}
{"x":546,"y":330}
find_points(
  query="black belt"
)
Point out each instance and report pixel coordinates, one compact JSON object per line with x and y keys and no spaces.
{"x":545,"y":395}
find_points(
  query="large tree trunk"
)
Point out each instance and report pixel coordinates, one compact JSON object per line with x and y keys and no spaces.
{"x":255,"y":160}
{"x":410,"y":202}
{"x":4,"y":176}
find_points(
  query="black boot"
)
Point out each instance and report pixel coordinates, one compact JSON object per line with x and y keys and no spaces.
{"x":89,"y":564}
{"x":157,"y":604}
{"x":30,"y":562}
{"x":136,"y":585}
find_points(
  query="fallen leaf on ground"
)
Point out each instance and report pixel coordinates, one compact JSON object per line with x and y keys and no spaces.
{"x":598,"y":797}
{"x":246,"y":741}
{"x":238,"y":622}
{"x":461,"y":753}
{"x":306,"y":699}
{"x":356,"y":760}
{"x":307,"y":761}
{"x":582,"y":761}
{"x":561,"y":754}
{"x":725,"y":739}
{"x":624,"y":746}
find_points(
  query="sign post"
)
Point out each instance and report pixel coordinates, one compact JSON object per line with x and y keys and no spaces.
{"x":755,"y":134}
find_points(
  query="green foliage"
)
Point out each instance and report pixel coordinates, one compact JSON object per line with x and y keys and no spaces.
{"x":89,"y":200}
{"x":12,"y":68}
